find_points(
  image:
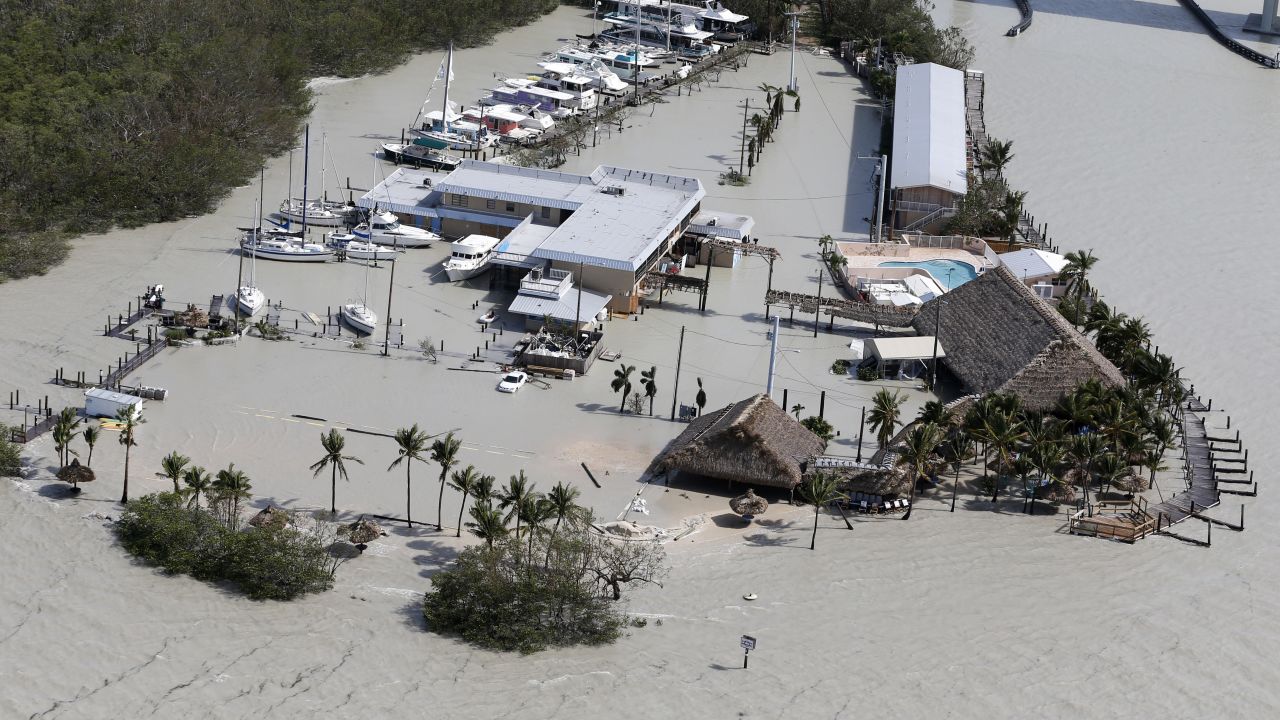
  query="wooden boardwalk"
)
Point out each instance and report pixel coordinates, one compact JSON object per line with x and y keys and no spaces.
{"x":1202,"y":484}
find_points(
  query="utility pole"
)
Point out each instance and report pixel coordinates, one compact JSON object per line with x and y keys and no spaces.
{"x":386,"y":346}
{"x":937,"y":324}
{"x":742,"y":150}
{"x":675,"y":391}
{"x":773,"y":357}
{"x":862,"y":424}
{"x":822,"y":270}
{"x":884,"y":168}
{"x":792,"y":85}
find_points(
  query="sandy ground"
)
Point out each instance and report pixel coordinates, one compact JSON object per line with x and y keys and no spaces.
{"x":976,"y":613}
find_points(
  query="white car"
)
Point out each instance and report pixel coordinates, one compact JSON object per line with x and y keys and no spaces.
{"x":512,"y":382}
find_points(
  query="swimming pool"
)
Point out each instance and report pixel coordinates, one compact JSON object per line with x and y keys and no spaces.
{"x":961,"y":272}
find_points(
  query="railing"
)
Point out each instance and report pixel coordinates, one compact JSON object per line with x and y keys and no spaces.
{"x":1216,"y":33}
{"x":1138,"y":524}
{"x":114,"y":377}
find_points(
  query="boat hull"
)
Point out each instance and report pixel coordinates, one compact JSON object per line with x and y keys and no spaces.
{"x":249,"y":301}
{"x":357,"y":321}
{"x":458,"y":274}
{"x":396,"y":154}
{"x":284,"y":256}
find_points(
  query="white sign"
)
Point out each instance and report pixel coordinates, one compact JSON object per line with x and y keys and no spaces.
{"x":748,"y":642}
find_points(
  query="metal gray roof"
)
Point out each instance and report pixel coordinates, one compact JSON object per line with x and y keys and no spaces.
{"x":929,"y":128}
{"x":563,"y":308}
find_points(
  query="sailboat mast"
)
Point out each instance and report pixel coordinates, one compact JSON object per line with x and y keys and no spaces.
{"x":668,"y":26}
{"x":448,"y":73}
{"x":306,"y":158}
{"x":324,"y":138}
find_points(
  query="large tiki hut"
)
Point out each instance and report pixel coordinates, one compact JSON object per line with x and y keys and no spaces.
{"x":1001,"y":338}
{"x":752,"y":441}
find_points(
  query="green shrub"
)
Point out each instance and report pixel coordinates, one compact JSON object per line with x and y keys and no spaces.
{"x":175,"y":335}
{"x":275,"y":563}
{"x":10,"y":454}
{"x":868,"y":373}
{"x":819,"y":427}
{"x":840,"y":367}
{"x":554,"y":591}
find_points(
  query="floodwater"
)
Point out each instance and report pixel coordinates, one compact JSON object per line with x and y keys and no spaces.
{"x":1135,"y":135}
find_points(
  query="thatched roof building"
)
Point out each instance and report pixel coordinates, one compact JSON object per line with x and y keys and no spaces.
{"x":752,"y":441}
{"x":1000,"y":337}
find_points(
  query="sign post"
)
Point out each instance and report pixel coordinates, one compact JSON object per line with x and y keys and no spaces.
{"x":748,"y":644}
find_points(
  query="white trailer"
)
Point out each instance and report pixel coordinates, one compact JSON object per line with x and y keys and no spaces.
{"x":99,"y":402}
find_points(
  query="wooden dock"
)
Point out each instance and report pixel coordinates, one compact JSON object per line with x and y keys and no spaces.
{"x":1198,"y":467}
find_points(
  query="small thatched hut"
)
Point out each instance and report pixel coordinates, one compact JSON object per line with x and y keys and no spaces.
{"x":752,"y":441}
{"x":75,"y":473}
{"x":1000,"y":337}
{"x":888,"y":482}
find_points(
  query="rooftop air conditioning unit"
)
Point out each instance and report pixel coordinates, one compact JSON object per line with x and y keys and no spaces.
{"x":535,"y":274}
{"x":713,"y":221}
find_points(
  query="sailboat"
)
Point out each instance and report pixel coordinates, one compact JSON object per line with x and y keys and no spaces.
{"x":322,"y":212}
{"x":283,"y":244}
{"x":249,"y":299}
{"x":385,"y":227}
{"x":445,"y":129}
{"x":358,"y":315}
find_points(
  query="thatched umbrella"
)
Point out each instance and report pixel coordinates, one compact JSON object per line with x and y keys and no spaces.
{"x":362,"y":532}
{"x":270,"y":516}
{"x":749,"y":504}
{"x":75,"y":473}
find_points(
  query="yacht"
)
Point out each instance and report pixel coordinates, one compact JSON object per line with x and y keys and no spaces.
{"x":622,"y":63}
{"x":673,"y":34}
{"x":249,"y":300}
{"x":582,"y":96}
{"x":357,"y":314}
{"x":524,"y":91}
{"x":420,"y":155}
{"x":319,"y":213}
{"x":282,"y":247}
{"x":356,"y":249}
{"x":385,"y":227}
{"x":505,"y":121}
{"x":470,"y":256}
{"x":600,"y":77}
{"x":359,"y":317}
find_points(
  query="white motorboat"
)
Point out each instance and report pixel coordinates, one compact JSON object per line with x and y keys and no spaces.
{"x":600,"y":77}
{"x":356,"y":249}
{"x":622,"y":63}
{"x":284,"y":248}
{"x":359,"y":317}
{"x":386,"y":228}
{"x":470,"y":256}
{"x":579,"y":88}
{"x":509,"y":122}
{"x":419,"y":155}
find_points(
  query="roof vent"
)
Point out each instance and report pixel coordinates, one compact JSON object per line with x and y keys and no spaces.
{"x":614,"y":190}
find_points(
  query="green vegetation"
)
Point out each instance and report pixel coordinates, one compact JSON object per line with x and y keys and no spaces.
{"x":10,"y":454}
{"x":274,"y":562}
{"x":550,"y":581}
{"x":125,"y":112}
{"x":819,"y":427}
{"x":840,"y":367}
{"x":868,"y":373}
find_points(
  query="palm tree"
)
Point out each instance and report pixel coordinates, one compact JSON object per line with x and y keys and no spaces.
{"x":563,"y":500}
{"x":64,"y":432}
{"x":91,"y":434}
{"x":959,"y":447}
{"x":1110,"y":467}
{"x":535,"y":511}
{"x":648,"y":380}
{"x":1046,"y":458}
{"x":1161,"y":434}
{"x":197,"y":483}
{"x":412,"y":443}
{"x":173,"y":466}
{"x":622,"y":381}
{"x":129,"y":419}
{"x":512,"y":495}
{"x":482,"y":490}
{"x":444,"y":452}
{"x":995,"y":156}
{"x":917,"y":451}
{"x":231,"y":488}
{"x":820,"y":489}
{"x":464,"y":481}
{"x":796,"y":409}
{"x":1003,"y":432}
{"x":1076,"y":272}
{"x":934,"y":412}
{"x":975,"y":422}
{"x":486,"y":523}
{"x":1073,"y":310}
{"x":333,"y":443}
{"x":1022,"y":467}
{"x":1081,"y":451}
{"x":886,"y":408}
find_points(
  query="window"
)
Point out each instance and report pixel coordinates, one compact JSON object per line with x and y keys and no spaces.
{"x":511,"y":207}
{"x":458,"y":200}
{"x":490,"y":204}
{"x":546,"y":213}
